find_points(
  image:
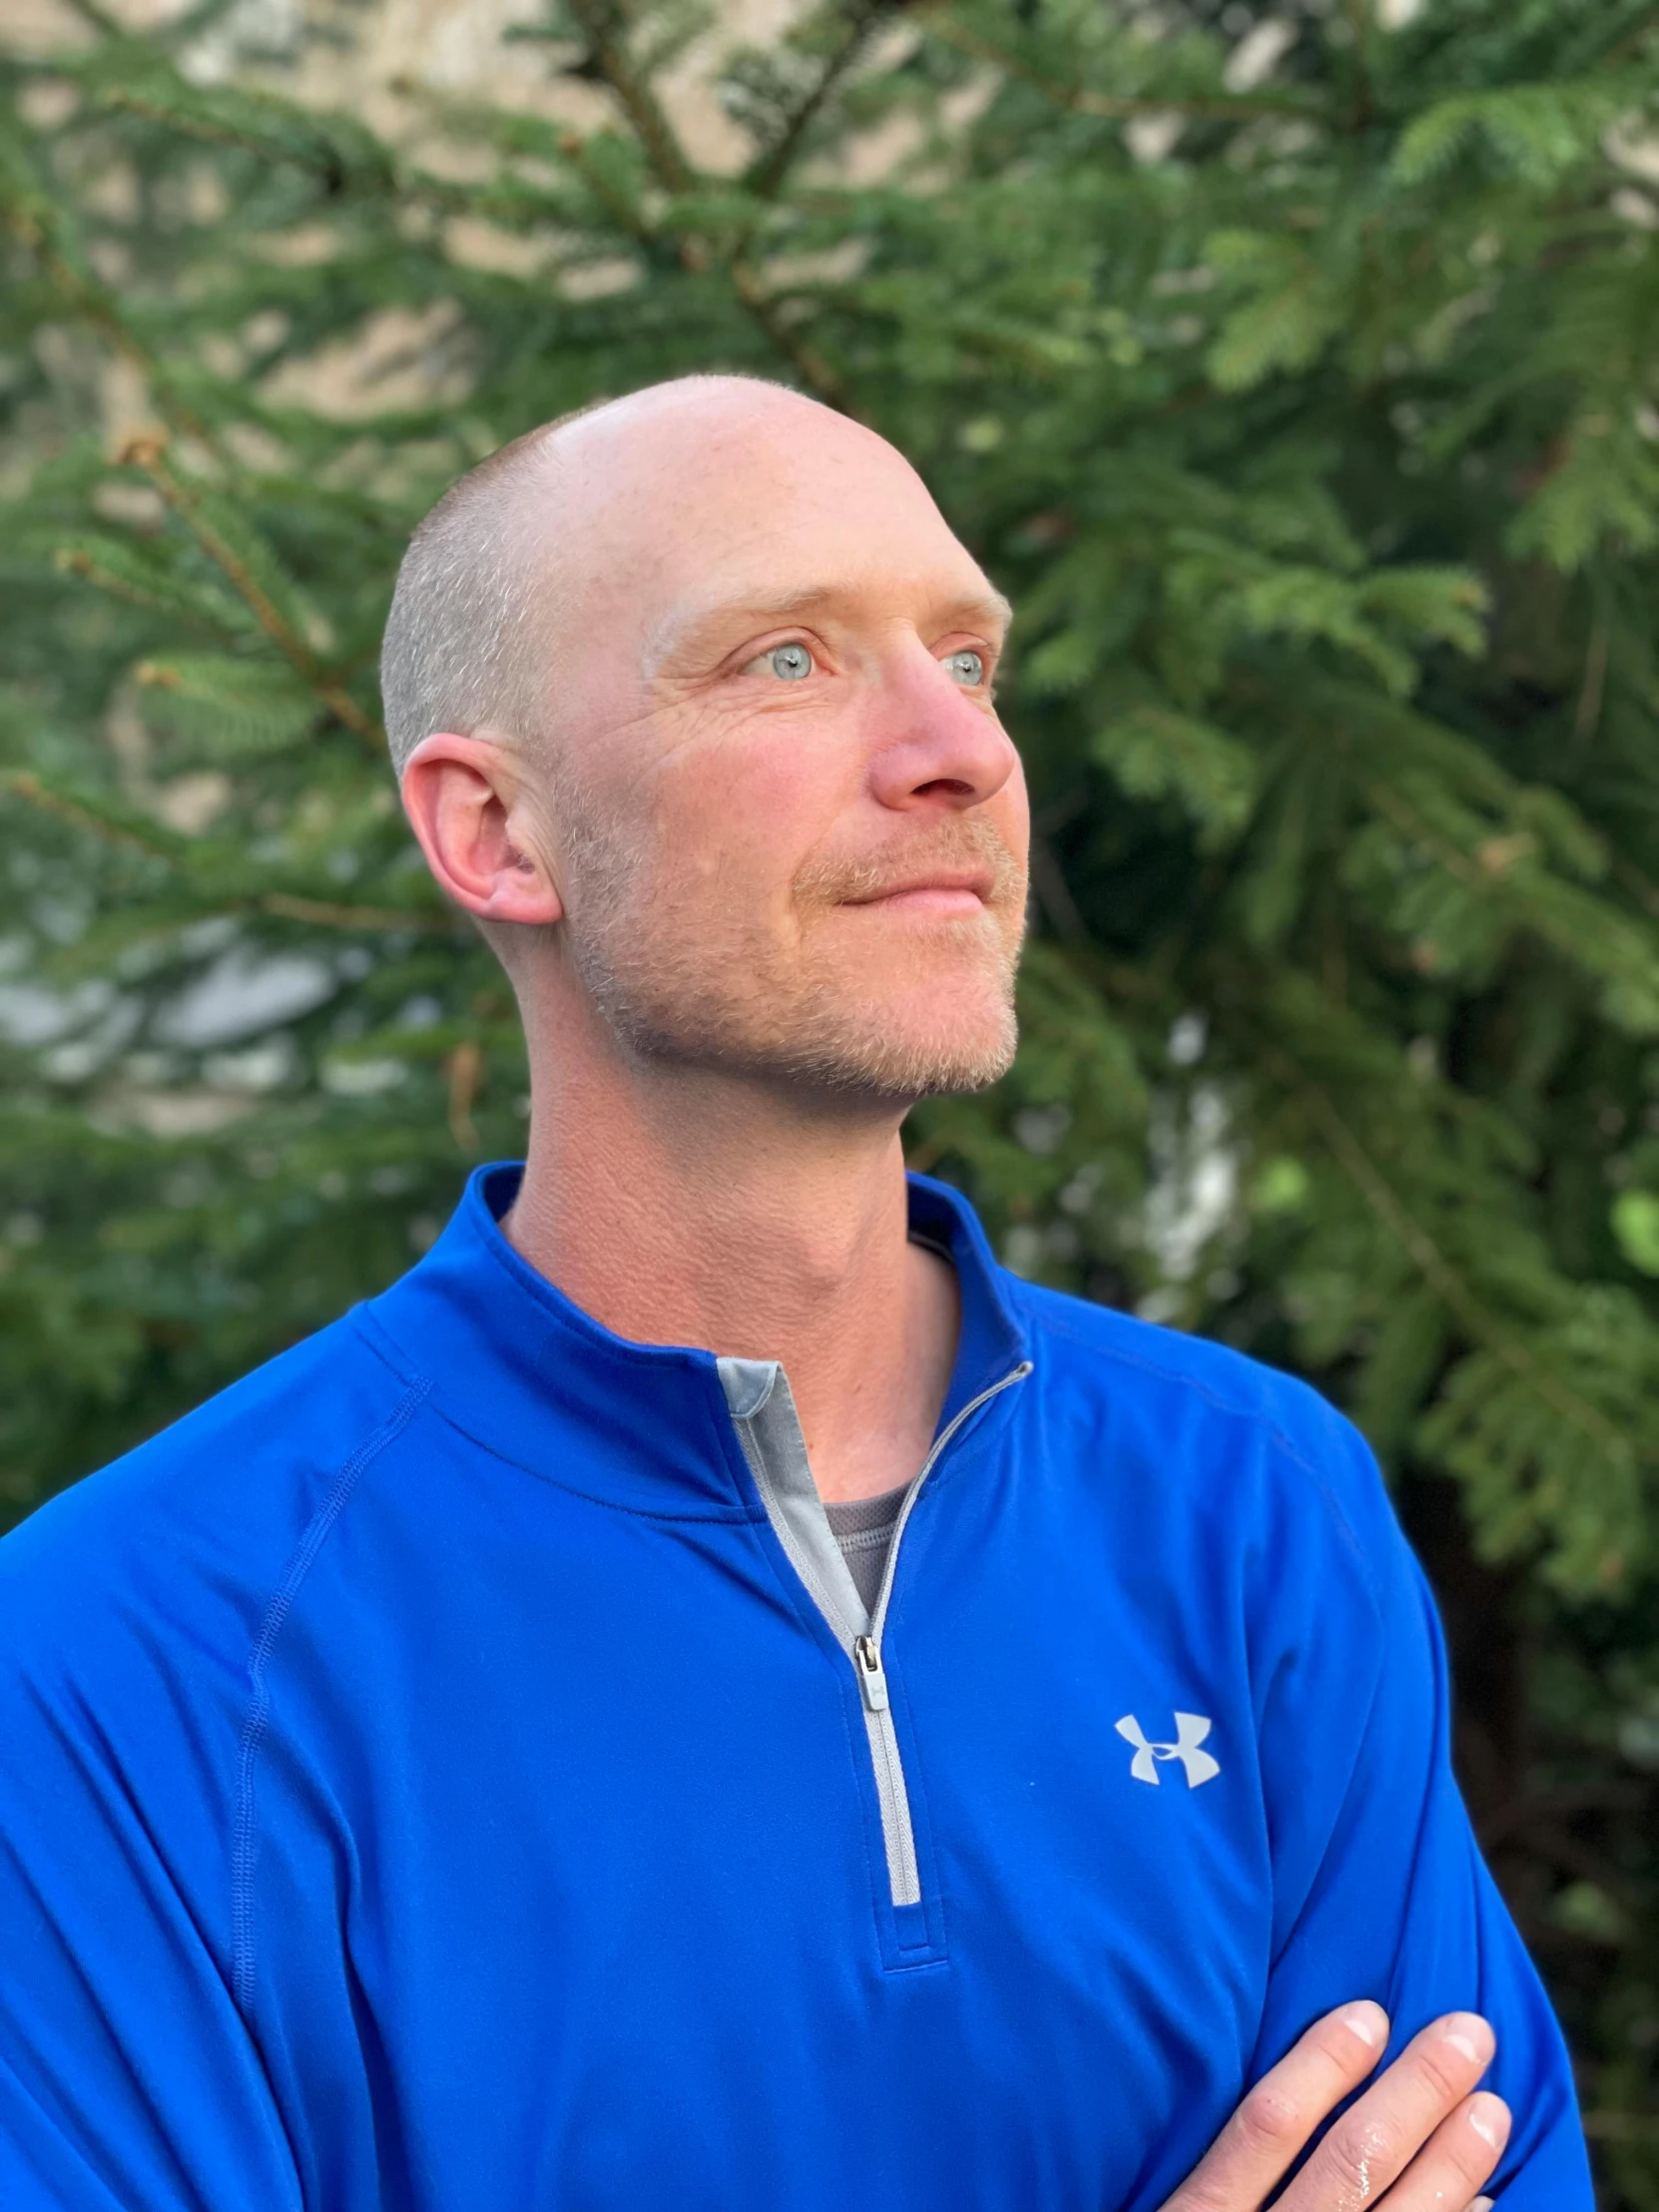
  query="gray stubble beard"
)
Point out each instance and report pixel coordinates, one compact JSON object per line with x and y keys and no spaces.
{"x":810,"y":1038}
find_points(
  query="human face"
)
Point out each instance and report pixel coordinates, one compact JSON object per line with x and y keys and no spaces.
{"x":792,"y":831}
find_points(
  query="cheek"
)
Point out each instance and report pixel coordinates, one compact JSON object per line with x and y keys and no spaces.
{"x":746,"y":815}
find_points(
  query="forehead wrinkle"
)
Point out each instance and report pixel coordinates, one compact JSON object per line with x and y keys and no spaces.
{"x":676,"y":630}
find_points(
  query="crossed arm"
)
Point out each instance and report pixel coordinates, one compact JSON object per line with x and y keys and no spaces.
{"x":1423,"y":2139}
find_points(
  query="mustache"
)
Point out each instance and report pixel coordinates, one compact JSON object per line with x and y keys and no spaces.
{"x":970,"y":843}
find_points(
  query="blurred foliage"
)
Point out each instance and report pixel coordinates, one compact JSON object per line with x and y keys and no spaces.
{"x":1298,"y":374}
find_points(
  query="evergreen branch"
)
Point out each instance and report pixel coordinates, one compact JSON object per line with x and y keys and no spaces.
{"x":195,"y":20}
{"x":809,"y":365}
{"x":1631,"y":39}
{"x":1591,"y":697}
{"x":130,"y":100}
{"x":327,"y":915}
{"x":146,"y":454}
{"x":283,"y":905}
{"x":1358,"y":25}
{"x":336,"y":148}
{"x":31,"y":222}
{"x":1410,"y":823}
{"x":574,"y":148}
{"x":1442,"y":1277}
{"x":1640,"y":886}
{"x":98,"y":19}
{"x":766,"y":172}
{"x":612,"y":61}
{"x":1486,"y":879}
{"x":105,"y":566}
{"x":1118,"y":106}
{"x":694,"y":253}
{"x":25,"y":784}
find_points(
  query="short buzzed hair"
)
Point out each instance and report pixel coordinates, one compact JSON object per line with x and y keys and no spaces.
{"x":469,"y":593}
{"x":467,"y":642}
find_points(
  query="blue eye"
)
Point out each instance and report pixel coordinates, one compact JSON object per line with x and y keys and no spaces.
{"x":966,"y":666}
{"x":793,"y":663}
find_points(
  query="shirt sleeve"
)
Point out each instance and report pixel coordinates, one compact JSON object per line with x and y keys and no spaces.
{"x":128,"y":2079}
{"x":1381,"y":1889}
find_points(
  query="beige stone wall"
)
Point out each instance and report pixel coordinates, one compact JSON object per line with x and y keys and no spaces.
{"x":456,"y":49}
{"x":377,"y":60}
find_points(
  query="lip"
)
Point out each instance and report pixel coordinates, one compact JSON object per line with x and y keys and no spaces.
{"x":944,"y":892}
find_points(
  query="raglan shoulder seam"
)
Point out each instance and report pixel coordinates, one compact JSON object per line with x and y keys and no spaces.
{"x":245,"y":1837}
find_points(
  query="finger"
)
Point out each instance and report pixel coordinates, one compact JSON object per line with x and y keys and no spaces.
{"x":1372,"y":2144}
{"x":1277,"y":2116}
{"x":1460,"y":2155}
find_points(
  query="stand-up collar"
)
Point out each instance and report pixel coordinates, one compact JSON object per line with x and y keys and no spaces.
{"x":993,"y":1334}
{"x":516,"y":1364}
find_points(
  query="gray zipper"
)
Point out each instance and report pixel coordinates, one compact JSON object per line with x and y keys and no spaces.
{"x":769,"y":1430}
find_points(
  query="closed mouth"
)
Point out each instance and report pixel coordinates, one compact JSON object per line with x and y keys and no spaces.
{"x":948,"y":891}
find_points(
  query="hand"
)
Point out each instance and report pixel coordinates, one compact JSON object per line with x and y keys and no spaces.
{"x":1418,"y":2133}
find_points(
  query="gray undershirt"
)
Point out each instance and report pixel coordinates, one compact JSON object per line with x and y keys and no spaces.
{"x":862,"y":1528}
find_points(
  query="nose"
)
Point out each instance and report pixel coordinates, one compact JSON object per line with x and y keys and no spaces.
{"x":939,"y":748}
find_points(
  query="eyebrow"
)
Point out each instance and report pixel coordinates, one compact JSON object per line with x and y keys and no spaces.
{"x":677,"y":630}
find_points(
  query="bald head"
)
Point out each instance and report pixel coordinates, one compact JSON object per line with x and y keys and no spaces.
{"x":494,"y":572}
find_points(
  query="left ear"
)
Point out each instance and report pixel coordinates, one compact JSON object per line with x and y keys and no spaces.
{"x":474,"y":809}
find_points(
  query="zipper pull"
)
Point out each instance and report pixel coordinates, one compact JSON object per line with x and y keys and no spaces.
{"x":874,"y":1683}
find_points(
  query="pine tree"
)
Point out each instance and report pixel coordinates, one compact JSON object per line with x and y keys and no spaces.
{"x":1296,"y":373}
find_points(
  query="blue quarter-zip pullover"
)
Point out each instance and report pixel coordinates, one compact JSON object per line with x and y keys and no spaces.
{"x":454,"y":1771}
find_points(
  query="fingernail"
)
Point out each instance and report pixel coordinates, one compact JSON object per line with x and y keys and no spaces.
{"x":1370,"y":2022}
{"x":1489,"y":2117}
{"x":1470,"y":2037}
{"x":1481,"y":2204}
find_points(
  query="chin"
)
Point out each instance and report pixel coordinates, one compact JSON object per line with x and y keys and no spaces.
{"x":889,"y":1031}
{"x":903,"y":1049}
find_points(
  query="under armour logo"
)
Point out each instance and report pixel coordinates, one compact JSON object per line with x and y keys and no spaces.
{"x":1190,"y":1731}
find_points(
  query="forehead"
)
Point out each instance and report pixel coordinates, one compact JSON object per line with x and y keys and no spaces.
{"x":778,"y":510}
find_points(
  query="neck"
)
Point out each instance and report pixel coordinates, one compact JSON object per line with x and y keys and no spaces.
{"x":682,"y":1206}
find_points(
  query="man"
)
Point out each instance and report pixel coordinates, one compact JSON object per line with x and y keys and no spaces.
{"x":709,"y":1693}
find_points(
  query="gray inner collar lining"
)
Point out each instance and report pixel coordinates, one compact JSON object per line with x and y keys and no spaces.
{"x":757,"y":1393}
